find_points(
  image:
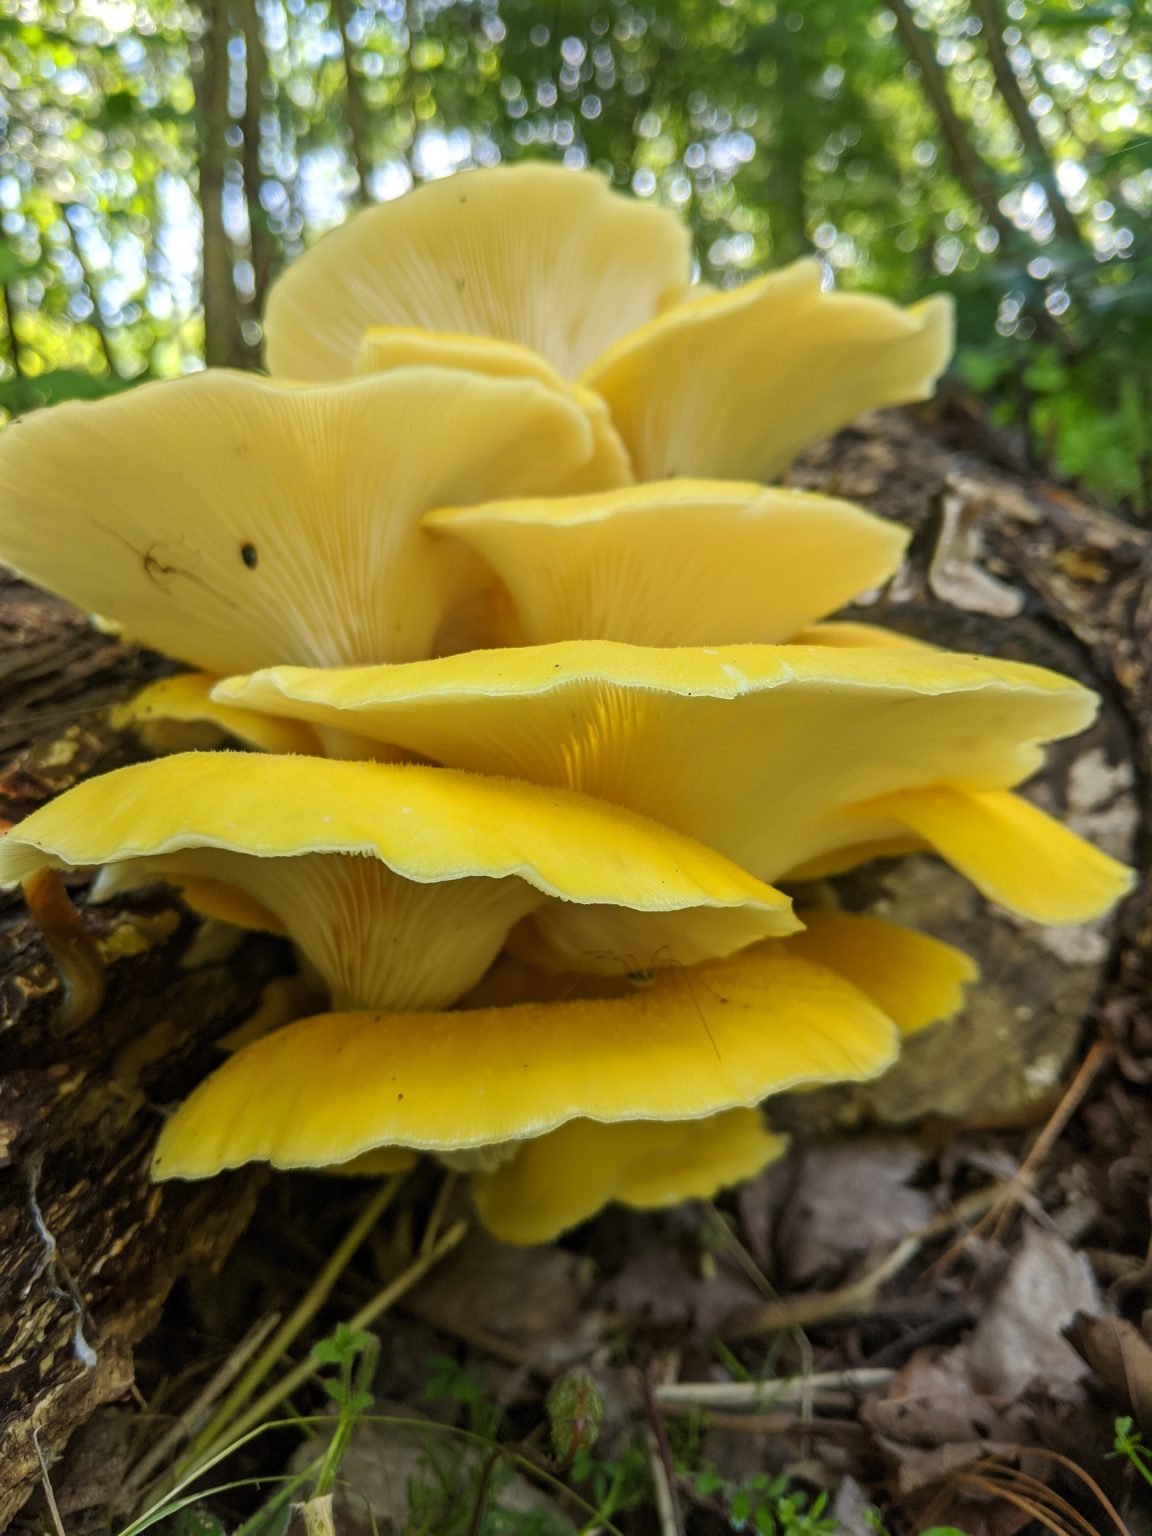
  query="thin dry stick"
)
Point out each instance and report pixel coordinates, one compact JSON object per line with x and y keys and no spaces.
{"x":771,"y":1295}
{"x":367,"y":1315}
{"x":292,"y":1326}
{"x":663,"y":1469}
{"x":774,"y":1424}
{"x":49,"y":1492}
{"x":1024,"y":1179}
{"x":793,"y":1389}
{"x":1087,"y":1479}
{"x":1078,"y":1088}
{"x":858,"y":1297}
{"x":1032,"y":1487}
{"x":978,"y":1483}
{"x":193,"y":1416}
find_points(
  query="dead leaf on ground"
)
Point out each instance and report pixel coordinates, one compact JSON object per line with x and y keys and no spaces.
{"x":849,"y":1200}
{"x":949,"y":1408}
{"x":1122,"y":1358}
{"x":536,"y":1297}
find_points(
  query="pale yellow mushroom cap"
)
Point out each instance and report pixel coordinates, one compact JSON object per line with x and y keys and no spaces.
{"x":234,"y":521}
{"x":737,"y":383}
{"x":533,"y":254}
{"x":678,"y":562}
{"x":560,"y":1179}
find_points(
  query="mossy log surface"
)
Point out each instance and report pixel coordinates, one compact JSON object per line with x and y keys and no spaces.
{"x":89,"y":1250}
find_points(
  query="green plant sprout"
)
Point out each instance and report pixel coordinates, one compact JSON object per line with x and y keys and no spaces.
{"x":1129,"y":1443}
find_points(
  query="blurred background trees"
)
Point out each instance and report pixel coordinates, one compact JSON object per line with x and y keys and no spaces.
{"x":160,"y":160}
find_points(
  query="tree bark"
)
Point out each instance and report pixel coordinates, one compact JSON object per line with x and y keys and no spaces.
{"x":89,"y":1248}
{"x":1012,"y":95}
{"x":223,"y":346}
{"x":354,"y":95}
{"x":971,"y":170}
{"x":98,"y":324}
{"x":255,"y":84}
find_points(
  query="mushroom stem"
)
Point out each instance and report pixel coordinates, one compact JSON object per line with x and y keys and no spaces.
{"x":79,"y":963}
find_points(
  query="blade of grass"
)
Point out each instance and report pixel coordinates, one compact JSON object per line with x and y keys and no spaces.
{"x":222,"y":1423}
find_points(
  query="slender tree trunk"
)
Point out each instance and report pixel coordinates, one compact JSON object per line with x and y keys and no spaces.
{"x":222,"y":344}
{"x":98,"y":324}
{"x":255,"y":85}
{"x":10,"y":331}
{"x":357,"y":113}
{"x":1012,"y":94}
{"x":972,"y":171}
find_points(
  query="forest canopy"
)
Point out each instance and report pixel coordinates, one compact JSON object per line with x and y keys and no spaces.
{"x":159,"y":162}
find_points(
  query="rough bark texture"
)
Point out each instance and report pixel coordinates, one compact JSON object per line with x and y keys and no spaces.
{"x":88,"y":1249}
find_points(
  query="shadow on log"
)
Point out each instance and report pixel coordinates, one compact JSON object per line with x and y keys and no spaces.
{"x":89,"y":1249}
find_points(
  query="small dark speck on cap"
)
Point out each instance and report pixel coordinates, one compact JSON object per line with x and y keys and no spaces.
{"x":399,"y":1096}
{"x":249,"y":556}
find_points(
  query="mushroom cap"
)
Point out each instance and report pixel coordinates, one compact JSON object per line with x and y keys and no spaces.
{"x":186,"y":699}
{"x":562,"y":1178}
{"x":681,"y":562}
{"x":791,"y":760}
{"x":916,"y":979}
{"x":236,"y":521}
{"x":388,"y":347}
{"x":693,"y":1042}
{"x":736,"y":383}
{"x":534,"y":254}
{"x":400,"y":884}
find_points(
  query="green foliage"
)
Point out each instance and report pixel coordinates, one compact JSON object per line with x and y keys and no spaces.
{"x":766,"y":1506}
{"x":575,"y":1412}
{"x":451,"y":1382}
{"x":1130,"y":1445}
{"x":355,"y":1354}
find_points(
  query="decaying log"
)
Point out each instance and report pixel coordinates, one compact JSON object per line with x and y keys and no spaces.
{"x":88,"y":1247}
{"x":89,"y":1250}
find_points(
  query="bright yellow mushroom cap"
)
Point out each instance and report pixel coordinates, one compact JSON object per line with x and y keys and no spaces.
{"x":400,"y":884}
{"x":236,"y":522}
{"x":560,"y":1179}
{"x":534,"y":254}
{"x":737,"y":383}
{"x":693,"y":1042}
{"x":774,"y":755}
{"x":185,"y":700}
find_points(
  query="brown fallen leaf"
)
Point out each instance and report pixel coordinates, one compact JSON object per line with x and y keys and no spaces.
{"x":1122,"y":1358}
{"x":849,"y":1200}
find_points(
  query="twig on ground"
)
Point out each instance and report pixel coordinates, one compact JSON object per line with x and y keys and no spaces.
{"x":774,"y":1424}
{"x":662,"y":1466}
{"x":752,"y":1394}
{"x":1024,"y":1180}
{"x":49,"y":1492}
{"x":857,"y":1298}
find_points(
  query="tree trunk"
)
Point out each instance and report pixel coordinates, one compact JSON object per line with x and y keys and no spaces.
{"x":222,"y":341}
{"x":1012,"y":95}
{"x":971,"y":170}
{"x":354,"y":99}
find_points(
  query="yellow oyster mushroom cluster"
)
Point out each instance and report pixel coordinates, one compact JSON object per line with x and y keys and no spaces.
{"x":547,"y":720}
